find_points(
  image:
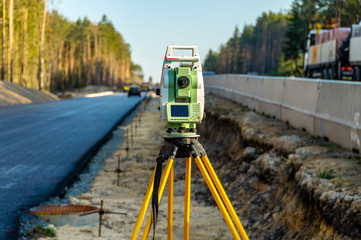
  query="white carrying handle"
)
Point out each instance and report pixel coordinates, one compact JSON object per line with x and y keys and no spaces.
{"x":170,"y":58}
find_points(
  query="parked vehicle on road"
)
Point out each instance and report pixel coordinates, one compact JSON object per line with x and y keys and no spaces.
{"x":334,"y":54}
{"x":134,"y":90}
{"x":145,"y":87}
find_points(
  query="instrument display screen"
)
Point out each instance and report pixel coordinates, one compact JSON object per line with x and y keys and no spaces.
{"x":179,"y":110}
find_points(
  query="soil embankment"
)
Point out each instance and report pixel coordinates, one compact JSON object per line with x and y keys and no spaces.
{"x":11,"y":93}
{"x":285,"y":183}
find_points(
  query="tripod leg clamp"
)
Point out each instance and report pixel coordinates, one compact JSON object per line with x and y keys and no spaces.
{"x":166,"y":151}
{"x":197,"y":150}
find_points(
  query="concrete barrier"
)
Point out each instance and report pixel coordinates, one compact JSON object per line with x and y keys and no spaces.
{"x":338,"y":113}
{"x":299,"y":103}
{"x":270,"y":95}
{"x":329,"y":109}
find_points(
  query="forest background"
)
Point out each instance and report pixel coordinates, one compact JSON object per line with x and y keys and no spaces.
{"x":275,"y":44}
{"x":43,"y":50}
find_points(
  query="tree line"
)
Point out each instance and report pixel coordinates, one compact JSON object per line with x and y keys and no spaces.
{"x":46,"y":51}
{"x":274,"y":45}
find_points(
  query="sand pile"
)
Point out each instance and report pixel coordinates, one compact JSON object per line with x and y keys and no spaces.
{"x":11,"y":93}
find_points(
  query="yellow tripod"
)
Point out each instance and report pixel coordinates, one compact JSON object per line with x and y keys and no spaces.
{"x":184,"y":147}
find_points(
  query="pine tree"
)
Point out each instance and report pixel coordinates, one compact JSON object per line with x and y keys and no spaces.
{"x":10,"y":49}
{"x":210,"y":64}
{"x":3,"y":40}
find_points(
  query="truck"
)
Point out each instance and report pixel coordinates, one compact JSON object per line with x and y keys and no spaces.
{"x":334,"y":54}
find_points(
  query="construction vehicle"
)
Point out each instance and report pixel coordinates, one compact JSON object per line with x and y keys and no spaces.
{"x":334,"y":54}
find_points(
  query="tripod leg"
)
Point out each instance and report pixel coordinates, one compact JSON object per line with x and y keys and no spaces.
{"x":187,"y":199}
{"x":217,"y":198}
{"x":163,"y":181}
{"x":170,"y":203}
{"x":225,"y":198}
{"x":147,"y":226}
{"x":138,"y":224}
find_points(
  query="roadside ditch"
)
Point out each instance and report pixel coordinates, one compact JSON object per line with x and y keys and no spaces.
{"x":285,"y":183}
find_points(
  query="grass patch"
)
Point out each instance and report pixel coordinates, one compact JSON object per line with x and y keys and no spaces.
{"x":259,"y":151}
{"x":329,"y":147}
{"x":326,"y":174}
{"x":43,"y":231}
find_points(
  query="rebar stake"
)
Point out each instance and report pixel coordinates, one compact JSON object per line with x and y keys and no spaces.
{"x":101,"y":212}
{"x":127,"y":145}
{"x":118,"y":170}
{"x":132,"y":134}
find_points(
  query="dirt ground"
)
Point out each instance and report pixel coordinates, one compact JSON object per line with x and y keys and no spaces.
{"x":206,"y":222}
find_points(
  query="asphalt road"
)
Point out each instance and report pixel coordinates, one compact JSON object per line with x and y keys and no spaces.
{"x":41,"y":144}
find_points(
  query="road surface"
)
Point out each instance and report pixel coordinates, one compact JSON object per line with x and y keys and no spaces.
{"x":43,"y":143}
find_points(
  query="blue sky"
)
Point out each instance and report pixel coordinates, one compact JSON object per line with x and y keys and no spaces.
{"x":149,"y":26}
